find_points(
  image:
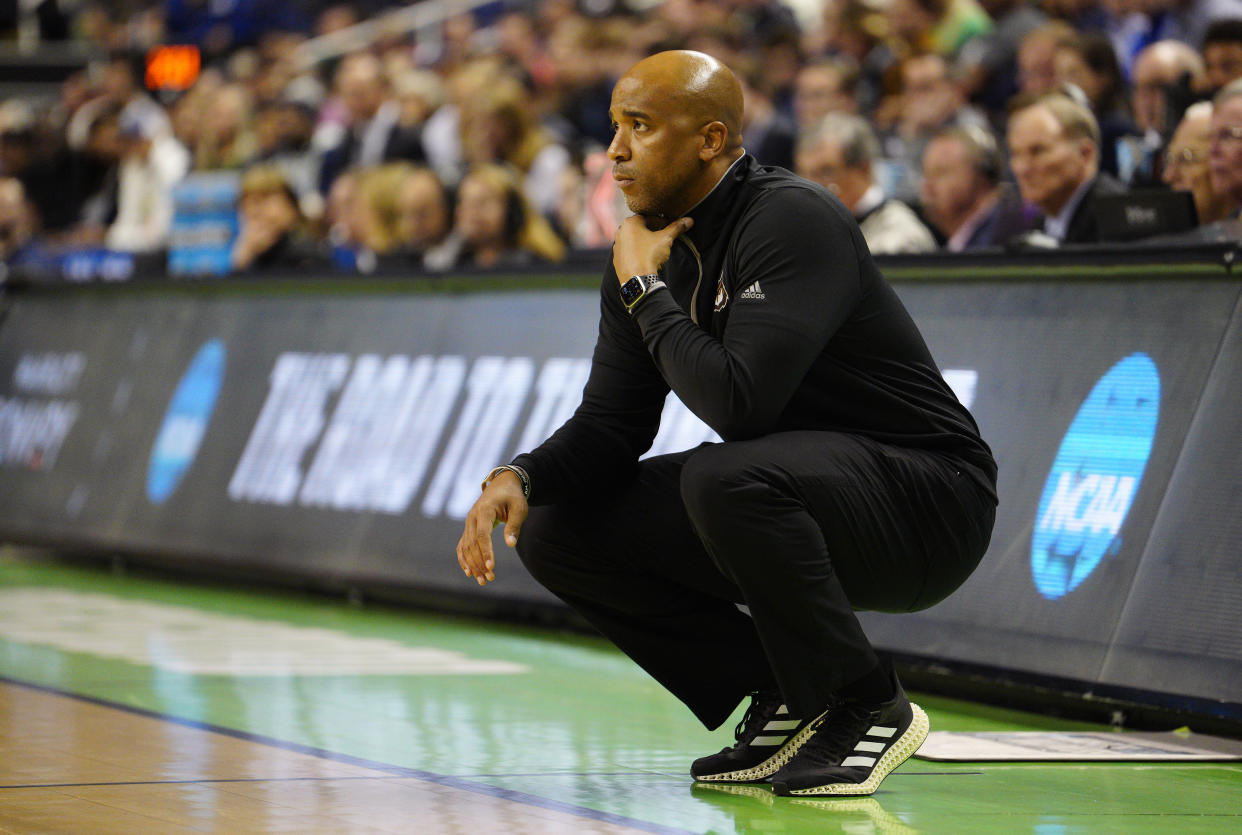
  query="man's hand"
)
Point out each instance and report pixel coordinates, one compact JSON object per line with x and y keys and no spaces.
{"x":638,"y":250}
{"x":502,"y":501}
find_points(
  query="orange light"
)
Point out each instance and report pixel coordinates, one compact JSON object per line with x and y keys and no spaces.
{"x":173,"y":67}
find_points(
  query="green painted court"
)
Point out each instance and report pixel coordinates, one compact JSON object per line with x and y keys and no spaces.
{"x":140,"y":705}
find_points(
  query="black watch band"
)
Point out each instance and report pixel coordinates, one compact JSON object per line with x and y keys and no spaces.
{"x":637,"y":289}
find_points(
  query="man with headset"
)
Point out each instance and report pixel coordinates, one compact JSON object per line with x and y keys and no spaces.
{"x":849,"y":476}
{"x":962,"y":193}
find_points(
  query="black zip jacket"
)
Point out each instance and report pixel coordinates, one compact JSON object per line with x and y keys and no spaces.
{"x":775,"y":319}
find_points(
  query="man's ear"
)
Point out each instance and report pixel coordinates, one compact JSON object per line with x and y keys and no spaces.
{"x":1090,"y":152}
{"x":714,"y":137}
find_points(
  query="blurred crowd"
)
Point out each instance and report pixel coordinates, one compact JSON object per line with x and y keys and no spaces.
{"x":482,"y":141}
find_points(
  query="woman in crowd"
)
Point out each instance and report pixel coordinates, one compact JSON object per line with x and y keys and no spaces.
{"x":272,"y":234}
{"x":497,"y":225}
{"x":1089,"y":62}
{"x":227,"y":139}
{"x":377,"y":207}
{"x":498,"y":126}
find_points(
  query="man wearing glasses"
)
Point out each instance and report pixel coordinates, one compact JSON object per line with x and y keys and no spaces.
{"x":1225,"y":148}
{"x":1186,"y":164}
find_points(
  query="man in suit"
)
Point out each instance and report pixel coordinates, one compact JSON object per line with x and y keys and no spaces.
{"x":962,"y":194}
{"x":842,"y":154}
{"x":373,"y":133}
{"x":1054,"y":152}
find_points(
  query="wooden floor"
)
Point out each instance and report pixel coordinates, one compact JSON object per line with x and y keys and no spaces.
{"x":68,"y":765}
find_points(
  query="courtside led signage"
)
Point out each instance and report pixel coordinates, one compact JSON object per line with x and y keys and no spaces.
{"x":186,"y":421}
{"x":1095,"y":477}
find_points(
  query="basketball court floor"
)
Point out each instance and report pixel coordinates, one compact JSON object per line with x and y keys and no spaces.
{"x":132,"y":705}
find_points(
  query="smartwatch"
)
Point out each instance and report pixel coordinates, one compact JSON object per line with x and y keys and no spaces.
{"x":637,"y":288}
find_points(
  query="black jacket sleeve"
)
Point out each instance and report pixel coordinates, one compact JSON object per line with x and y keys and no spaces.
{"x":798,"y":255}
{"x":599,"y":446}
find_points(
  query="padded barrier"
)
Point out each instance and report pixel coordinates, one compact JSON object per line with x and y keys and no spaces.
{"x":337,"y":432}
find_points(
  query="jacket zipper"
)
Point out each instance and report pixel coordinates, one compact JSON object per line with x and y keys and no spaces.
{"x":698,"y":259}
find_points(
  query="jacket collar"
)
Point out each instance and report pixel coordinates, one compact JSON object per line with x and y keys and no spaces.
{"x":709,"y":212}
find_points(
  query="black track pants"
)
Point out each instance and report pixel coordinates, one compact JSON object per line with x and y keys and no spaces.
{"x":801,"y":527}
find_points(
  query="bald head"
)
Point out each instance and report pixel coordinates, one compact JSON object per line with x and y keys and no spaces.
{"x":697,"y":85}
{"x":677,"y":129}
{"x":1158,"y":67}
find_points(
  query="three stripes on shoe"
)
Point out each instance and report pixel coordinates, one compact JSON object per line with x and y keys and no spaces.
{"x":787,"y":724}
{"x":866,"y":746}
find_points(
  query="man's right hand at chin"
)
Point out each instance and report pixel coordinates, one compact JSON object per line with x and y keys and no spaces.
{"x":502,"y":501}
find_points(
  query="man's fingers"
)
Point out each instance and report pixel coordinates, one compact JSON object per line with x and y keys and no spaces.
{"x":477,"y":548}
{"x":476,"y":555}
{"x":469,"y":548}
{"x":513,"y":525}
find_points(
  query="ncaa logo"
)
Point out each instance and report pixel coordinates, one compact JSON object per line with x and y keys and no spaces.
{"x":1095,"y":477}
{"x":186,"y":421}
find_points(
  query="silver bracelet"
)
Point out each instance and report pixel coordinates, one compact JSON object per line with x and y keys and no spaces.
{"x":517,"y":471}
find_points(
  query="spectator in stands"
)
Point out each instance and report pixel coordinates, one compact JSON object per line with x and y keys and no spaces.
{"x":780,"y":55}
{"x":340,"y":222}
{"x":497,"y":225}
{"x":840,"y":153}
{"x":425,"y":220}
{"x":1162,"y":70}
{"x":376,"y":209}
{"x":1225,"y":148}
{"x":764,"y":21}
{"x":188,"y":113}
{"x":1090,"y":64}
{"x":227,"y":138}
{"x":53,"y":177}
{"x":823,"y":87}
{"x":518,"y":40}
{"x":1037,"y":70}
{"x":282,"y":132}
{"x":1054,"y":151}
{"x":272,"y":232}
{"x":1165,"y":73}
{"x":988,"y":65}
{"x":962,"y":193}
{"x":939,"y":26}
{"x":588,"y":55}
{"x":930,"y":100}
{"x":1222,"y":53}
{"x":281,"y":74}
{"x":105,"y":148}
{"x":120,"y":85}
{"x":152,"y":162}
{"x":441,"y":130}
{"x":770,"y":132}
{"x":419,"y":93}
{"x":854,"y":31}
{"x":497,"y":125}
{"x":1186,"y":164}
{"x":1187,"y":20}
{"x":373,"y":133}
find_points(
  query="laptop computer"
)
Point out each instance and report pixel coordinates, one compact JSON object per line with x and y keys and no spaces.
{"x":1143,"y":213}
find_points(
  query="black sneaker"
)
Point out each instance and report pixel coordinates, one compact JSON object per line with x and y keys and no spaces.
{"x":767,"y":737}
{"x":853,"y":747}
